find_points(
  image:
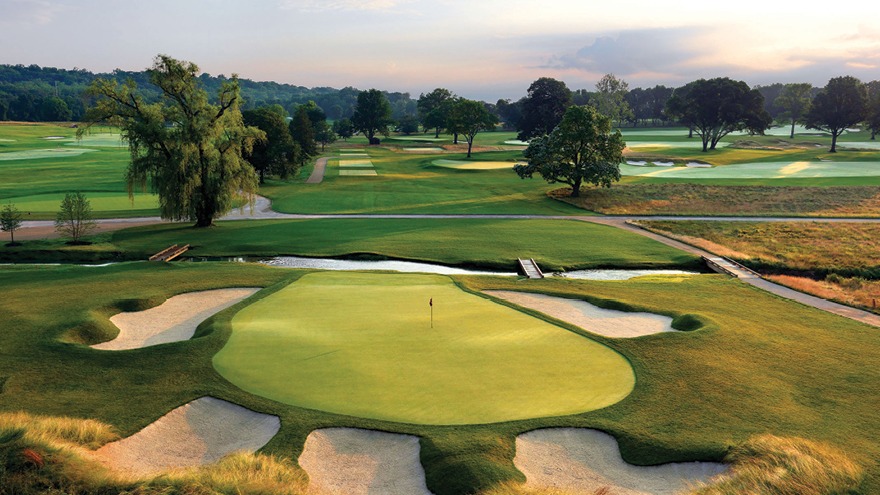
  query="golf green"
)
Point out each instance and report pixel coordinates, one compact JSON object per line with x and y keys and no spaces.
{"x":362,"y":344}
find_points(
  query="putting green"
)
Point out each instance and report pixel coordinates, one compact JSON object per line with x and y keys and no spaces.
{"x":100,"y":201}
{"x":105,"y":140}
{"x":361,"y":344}
{"x":465,"y":165}
{"x":768,"y":170}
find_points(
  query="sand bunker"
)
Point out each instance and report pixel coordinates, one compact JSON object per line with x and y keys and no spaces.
{"x":607,"y":322}
{"x":466,"y":165}
{"x":172,"y":321}
{"x":637,"y":163}
{"x":350,"y":461}
{"x":423,"y":150}
{"x":516,"y":142}
{"x":200,"y":432}
{"x":664,"y":164}
{"x":585,"y":460}
{"x":698,"y":165}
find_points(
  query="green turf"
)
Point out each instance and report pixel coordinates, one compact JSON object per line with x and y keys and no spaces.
{"x":100,"y":202}
{"x":764,"y":170}
{"x":473,"y":165}
{"x":763,"y":365}
{"x":95,"y":166}
{"x":324,"y":343}
{"x":491,"y":243}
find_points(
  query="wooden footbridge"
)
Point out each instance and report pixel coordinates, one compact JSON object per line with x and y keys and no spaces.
{"x":169,"y":253}
{"x":529,"y":268}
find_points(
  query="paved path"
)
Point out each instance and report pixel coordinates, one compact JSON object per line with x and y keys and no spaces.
{"x":262,"y":209}
{"x":318,"y":172}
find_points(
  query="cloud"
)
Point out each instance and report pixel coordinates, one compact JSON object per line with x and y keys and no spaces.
{"x":658,"y":51}
{"x":323,"y":5}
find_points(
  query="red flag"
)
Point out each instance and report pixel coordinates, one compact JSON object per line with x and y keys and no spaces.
{"x":431,"y":302}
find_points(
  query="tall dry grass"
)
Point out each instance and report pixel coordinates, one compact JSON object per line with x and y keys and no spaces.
{"x":40,"y":454}
{"x":771,"y":465}
{"x":854,"y":291}
{"x":512,"y":488}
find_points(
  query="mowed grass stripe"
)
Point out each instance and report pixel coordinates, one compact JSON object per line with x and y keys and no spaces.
{"x":361,"y":344}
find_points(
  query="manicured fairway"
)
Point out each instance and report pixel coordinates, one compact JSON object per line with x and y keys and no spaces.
{"x":766,"y":170}
{"x":361,"y":344}
{"x":467,"y":165}
{"x":100,"y":201}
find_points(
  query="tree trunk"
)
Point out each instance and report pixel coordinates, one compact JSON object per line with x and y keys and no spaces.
{"x":455,"y":138}
{"x":833,"y":142}
{"x":262,"y":176}
{"x":437,"y":133}
{"x":792,"y":129}
{"x":576,"y":189}
{"x":691,"y":133}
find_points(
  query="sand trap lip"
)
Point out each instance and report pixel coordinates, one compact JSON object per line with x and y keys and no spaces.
{"x":466,"y":165}
{"x":197,"y":433}
{"x":172,"y":321}
{"x":351,"y":461}
{"x":607,"y":322}
{"x":585,"y":460}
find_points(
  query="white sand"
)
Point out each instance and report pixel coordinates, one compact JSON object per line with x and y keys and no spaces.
{"x":638,"y":163}
{"x":200,"y":432}
{"x":585,"y":460}
{"x":698,"y":165}
{"x":351,"y":461}
{"x":664,"y":164}
{"x":607,"y":322}
{"x":172,"y":321}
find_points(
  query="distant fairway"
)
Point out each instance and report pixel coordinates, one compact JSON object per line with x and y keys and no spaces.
{"x":671,"y":144}
{"x":43,"y":153}
{"x":766,"y":170}
{"x":100,"y":202}
{"x":468,"y":165}
{"x":361,"y":344}
{"x":104,"y":140}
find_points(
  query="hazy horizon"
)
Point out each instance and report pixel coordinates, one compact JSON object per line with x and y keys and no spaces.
{"x":486,"y":50}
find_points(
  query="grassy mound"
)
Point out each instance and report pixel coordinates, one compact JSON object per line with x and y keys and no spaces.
{"x":361,"y":344}
{"x":771,"y":465}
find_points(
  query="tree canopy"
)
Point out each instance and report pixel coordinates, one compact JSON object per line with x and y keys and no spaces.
{"x":10,"y":221}
{"x":74,"y":218}
{"x":469,"y":117}
{"x":716,"y":107}
{"x":581,"y":149}
{"x":543,"y":107}
{"x":302,"y":130}
{"x":373,"y":114}
{"x":873,"y":119}
{"x":277,"y":154}
{"x":610,"y":98}
{"x":841,"y":104}
{"x":187,"y":149}
{"x":795,"y":99}
{"x":432,"y":111}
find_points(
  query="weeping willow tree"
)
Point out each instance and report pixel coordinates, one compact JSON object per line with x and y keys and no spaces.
{"x":187,"y":149}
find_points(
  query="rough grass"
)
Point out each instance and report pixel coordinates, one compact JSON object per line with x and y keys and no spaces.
{"x":772,"y":465}
{"x":48,"y":454}
{"x":700,"y":199}
{"x":853,"y":291}
{"x":793,"y":372}
{"x":512,"y":488}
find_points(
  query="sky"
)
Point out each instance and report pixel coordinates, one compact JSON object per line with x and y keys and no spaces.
{"x":481,"y":49}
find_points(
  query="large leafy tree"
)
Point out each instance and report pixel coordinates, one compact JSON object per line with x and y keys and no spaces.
{"x":543,"y":107}
{"x":432,"y":111}
{"x":303,"y":132}
{"x":714,"y":108}
{"x":189,"y":150}
{"x":841,"y":104}
{"x":468,"y":118}
{"x":610,"y":98}
{"x":277,"y":154}
{"x":343,"y":128}
{"x":873,"y":119}
{"x":372,"y":114}
{"x":581,"y":149}
{"x":794,"y":100}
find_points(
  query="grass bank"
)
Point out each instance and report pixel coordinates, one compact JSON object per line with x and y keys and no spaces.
{"x":792,"y":372}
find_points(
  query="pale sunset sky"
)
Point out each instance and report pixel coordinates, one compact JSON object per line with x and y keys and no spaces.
{"x":484,"y":49}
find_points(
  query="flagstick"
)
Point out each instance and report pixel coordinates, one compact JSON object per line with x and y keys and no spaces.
{"x":431,"y":303}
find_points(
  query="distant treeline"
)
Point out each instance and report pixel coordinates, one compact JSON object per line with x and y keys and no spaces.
{"x":45,"y":94}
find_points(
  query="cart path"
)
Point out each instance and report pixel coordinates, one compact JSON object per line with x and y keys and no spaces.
{"x":262,"y":210}
{"x":318,"y":172}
